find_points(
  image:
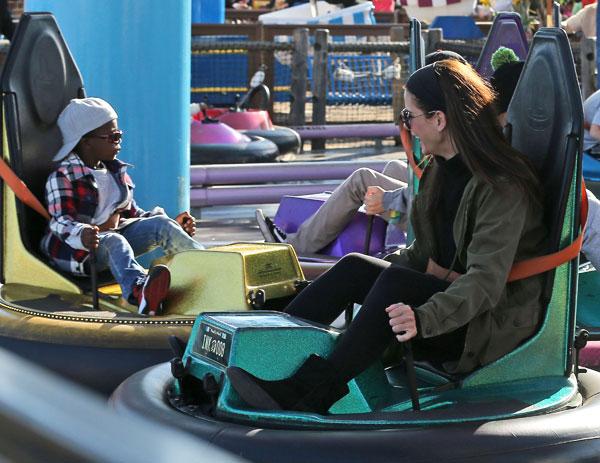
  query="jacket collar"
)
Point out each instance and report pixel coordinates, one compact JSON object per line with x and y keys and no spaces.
{"x":78,"y":169}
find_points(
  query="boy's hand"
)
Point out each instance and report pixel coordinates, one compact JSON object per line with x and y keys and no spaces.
{"x":374,"y":200}
{"x":90,"y":238}
{"x":187,"y":222}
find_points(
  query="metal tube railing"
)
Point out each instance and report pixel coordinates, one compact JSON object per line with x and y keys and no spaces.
{"x":385,"y":130}
{"x":239,"y":174}
{"x":253,"y":194}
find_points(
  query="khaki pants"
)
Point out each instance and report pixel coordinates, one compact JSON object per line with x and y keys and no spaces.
{"x":333,"y":216}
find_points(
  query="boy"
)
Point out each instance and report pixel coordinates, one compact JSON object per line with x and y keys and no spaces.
{"x":90,"y":201}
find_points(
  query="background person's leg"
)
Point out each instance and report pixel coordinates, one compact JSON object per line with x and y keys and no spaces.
{"x":397,"y":170}
{"x":333,"y":216}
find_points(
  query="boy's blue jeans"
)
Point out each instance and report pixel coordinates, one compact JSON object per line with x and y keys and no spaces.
{"x":117,"y":250}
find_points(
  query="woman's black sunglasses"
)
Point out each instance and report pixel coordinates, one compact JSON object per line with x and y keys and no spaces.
{"x":406,"y":116}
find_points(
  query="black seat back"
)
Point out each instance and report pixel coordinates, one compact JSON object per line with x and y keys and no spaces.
{"x":38,"y":80}
{"x":545,"y":122}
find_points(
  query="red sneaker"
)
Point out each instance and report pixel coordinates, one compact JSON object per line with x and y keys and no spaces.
{"x":154,"y":291}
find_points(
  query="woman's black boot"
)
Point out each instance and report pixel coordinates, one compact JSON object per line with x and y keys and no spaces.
{"x":314,"y":387}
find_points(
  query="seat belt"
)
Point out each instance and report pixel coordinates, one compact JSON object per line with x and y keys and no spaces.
{"x":21,"y":190}
{"x":406,"y":139}
{"x":536,"y":265}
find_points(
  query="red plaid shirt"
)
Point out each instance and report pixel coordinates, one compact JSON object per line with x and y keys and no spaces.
{"x":72,"y":200}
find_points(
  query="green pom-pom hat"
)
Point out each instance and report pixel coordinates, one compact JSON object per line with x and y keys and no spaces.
{"x":502,"y":56}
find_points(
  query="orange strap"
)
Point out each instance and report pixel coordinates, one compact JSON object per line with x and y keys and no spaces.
{"x":541,"y":264}
{"x":20,"y":189}
{"x":406,"y":139}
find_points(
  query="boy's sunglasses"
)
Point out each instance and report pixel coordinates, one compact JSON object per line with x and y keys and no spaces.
{"x":406,"y":116}
{"x":113,"y":137}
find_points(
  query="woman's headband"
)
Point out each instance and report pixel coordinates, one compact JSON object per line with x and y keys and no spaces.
{"x":423,"y":84}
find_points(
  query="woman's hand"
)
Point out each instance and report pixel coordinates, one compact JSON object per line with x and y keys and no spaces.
{"x":402,"y":321}
{"x":90,"y":238}
{"x":440,"y":272}
{"x":187,"y":222}
{"x":374,"y":200}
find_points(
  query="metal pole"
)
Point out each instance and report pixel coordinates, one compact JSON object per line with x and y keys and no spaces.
{"x":349,"y":312}
{"x":368,"y":235}
{"x":299,"y":77}
{"x":556,"y":14}
{"x":319,"y":90}
{"x":94,"y":277}
{"x":417,"y":60}
{"x":397,"y":34}
{"x":411,"y":376}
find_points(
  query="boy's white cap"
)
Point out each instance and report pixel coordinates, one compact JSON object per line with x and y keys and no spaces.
{"x":81,"y":116}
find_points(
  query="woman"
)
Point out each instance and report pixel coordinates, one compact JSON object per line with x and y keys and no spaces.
{"x":477,"y":212}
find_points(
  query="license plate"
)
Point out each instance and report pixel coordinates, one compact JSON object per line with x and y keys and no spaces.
{"x":213,"y":343}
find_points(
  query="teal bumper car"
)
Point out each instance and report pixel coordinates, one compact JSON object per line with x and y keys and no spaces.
{"x":533,"y":404}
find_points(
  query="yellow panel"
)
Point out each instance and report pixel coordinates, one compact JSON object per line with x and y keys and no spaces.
{"x":205,"y":281}
{"x":220,"y":279}
{"x":19,"y":265}
{"x":112,"y":289}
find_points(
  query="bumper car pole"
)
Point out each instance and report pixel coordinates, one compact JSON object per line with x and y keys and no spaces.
{"x":368,"y":235}
{"x":411,"y":375}
{"x":94,"y":278}
{"x":350,"y":309}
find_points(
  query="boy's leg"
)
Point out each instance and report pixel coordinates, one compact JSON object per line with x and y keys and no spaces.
{"x":145,"y":290}
{"x":333,"y":216}
{"x":149,"y":233}
{"x":114,"y":252}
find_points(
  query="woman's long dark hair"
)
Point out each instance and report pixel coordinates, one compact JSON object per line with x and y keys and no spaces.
{"x":476,"y":133}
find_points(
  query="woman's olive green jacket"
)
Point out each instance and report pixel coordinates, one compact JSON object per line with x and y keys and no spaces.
{"x":494,"y":227}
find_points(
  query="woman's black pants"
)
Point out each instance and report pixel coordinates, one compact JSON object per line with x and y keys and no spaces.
{"x":376,"y":284}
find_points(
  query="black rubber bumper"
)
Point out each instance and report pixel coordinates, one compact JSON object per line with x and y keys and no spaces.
{"x":572,"y":435}
{"x":258,"y":150}
{"x":287,"y":140}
